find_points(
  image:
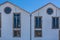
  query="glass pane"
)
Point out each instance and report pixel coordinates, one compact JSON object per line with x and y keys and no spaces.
{"x":38,"y":22}
{"x":17,"y":33}
{"x":57,"y":23}
{"x":18,"y":21}
{"x":14,"y":20}
{"x":7,"y":10}
{"x":53,"y":23}
{"x":0,"y":20}
{"x":38,"y":33}
{"x":0,"y":32}
{"x":49,"y":10}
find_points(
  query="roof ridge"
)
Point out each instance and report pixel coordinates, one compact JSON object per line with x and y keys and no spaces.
{"x":45,"y":5}
{"x":14,"y":5}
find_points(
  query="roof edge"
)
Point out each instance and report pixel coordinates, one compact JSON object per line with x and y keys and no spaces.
{"x":14,"y":5}
{"x":44,"y":6}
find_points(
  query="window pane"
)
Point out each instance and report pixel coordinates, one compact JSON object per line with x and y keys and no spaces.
{"x":0,"y":20}
{"x":38,"y":22}
{"x":17,"y":33}
{"x":16,"y":20}
{"x":55,"y":22}
{"x":0,"y":32}
{"x":38,"y":33}
{"x":7,"y":10}
{"x":49,"y":10}
{"x":0,"y":24}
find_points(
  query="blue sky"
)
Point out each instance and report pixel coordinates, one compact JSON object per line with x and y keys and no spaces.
{"x":32,"y":5}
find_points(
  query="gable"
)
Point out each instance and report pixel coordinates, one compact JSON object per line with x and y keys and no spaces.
{"x":49,"y":5}
{"x":8,"y":4}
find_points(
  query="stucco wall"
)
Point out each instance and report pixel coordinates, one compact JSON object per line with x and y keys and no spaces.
{"x":7,"y":23}
{"x":47,"y":32}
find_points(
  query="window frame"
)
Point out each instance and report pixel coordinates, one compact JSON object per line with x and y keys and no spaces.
{"x":20,"y":20}
{"x":39,"y":35}
{"x":50,"y":9}
{"x":19,"y":34}
{"x":35,"y":22}
{"x":40,"y":29}
{"x":17,"y":28}
{"x":55,"y":23}
{"x":7,"y":12}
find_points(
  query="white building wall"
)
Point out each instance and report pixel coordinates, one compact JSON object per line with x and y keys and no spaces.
{"x":47,"y":32}
{"x":7,"y":23}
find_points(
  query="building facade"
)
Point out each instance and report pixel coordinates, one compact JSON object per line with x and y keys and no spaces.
{"x":14,"y":22}
{"x":18,"y":24}
{"x":46,"y":21}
